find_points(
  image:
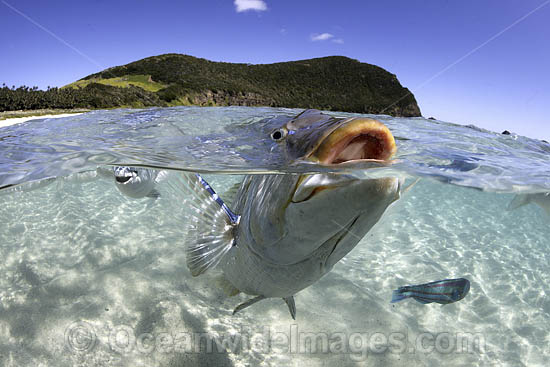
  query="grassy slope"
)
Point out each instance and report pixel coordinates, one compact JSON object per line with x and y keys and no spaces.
{"x":141,"y":81}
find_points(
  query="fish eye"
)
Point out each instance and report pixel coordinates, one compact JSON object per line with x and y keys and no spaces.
{"x":278,"y":134}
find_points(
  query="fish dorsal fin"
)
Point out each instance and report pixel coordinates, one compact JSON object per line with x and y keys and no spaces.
{"x":211,"y":224}
{"x":291,"y":306}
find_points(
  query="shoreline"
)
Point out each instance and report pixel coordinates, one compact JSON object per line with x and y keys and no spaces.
{"x":18,"y":120}
{"x":9,"y":118}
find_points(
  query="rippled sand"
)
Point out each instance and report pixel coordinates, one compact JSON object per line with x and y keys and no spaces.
{"x":91,"y":278}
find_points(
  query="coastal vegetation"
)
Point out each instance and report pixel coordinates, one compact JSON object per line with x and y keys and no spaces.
{"x":93,"y":95}
{"x":40,"y":112}
{"x":330,"y":83}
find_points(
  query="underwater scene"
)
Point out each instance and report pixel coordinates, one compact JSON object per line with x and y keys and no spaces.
{"x":240,"y":236}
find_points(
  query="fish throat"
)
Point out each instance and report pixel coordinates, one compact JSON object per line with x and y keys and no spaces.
{"x":357,"y":139}
{"x":364,"y":146}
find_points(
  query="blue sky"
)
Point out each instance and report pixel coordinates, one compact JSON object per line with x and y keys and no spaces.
{"x":445,"y":52}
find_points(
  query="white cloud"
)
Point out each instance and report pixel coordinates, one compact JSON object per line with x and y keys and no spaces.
{"x":244,"y":5}
{"x":338,"y":40}
{"x":321,"y":37}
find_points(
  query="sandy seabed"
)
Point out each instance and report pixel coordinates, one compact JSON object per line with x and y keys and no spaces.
{"x":92,"y":278}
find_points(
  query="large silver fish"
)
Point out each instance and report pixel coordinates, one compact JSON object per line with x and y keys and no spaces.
{"x":284,"y":232}
{"x":137,"y":182}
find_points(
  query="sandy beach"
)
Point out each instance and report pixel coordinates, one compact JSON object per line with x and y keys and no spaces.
{"x":18,"y":120}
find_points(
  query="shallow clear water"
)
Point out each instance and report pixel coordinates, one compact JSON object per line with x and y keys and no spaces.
{"x":92,"y":277}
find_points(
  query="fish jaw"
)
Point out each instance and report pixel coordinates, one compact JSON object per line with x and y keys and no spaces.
{"x":328,"y":219}
{"x":356,"y":139}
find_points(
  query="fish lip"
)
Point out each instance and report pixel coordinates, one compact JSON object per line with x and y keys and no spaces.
{"x":355,"y":140}
{"x":299,"y":196}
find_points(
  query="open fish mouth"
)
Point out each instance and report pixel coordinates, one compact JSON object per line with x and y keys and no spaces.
{"x":357,"y":139}
{"x":123,"y":174}
{"x":122,"y":179}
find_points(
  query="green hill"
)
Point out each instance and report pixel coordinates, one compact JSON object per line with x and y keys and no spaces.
{"x":334,"y":83}
{"x":330,"y":83}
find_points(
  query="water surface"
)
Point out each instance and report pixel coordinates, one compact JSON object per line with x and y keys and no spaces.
{"x":92,"y":277}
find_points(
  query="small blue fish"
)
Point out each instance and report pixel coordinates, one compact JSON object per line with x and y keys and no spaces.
{"x":442,"y":291}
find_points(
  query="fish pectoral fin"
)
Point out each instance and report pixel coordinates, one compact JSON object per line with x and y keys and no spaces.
{"x":231,"y":193}
{"x":424,"y":302}
{"x":519,"y":201}
{"x":291,"y":306}
{"x":161,"y":176}
{"x":289,"y":301}
{"x":154,"y":194}
{"x":248,"y":303}
{"x":211,"y":224}
{"x":406,"y":189}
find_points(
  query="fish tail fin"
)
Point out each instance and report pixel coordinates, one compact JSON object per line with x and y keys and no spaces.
{"x":211,"y":223}
{"x":519,"y":201}
{"x":398,"y":295}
